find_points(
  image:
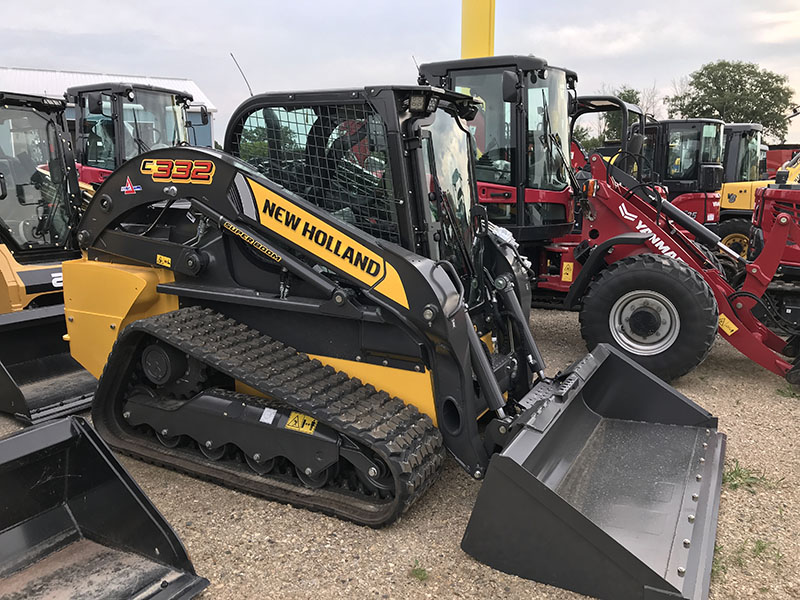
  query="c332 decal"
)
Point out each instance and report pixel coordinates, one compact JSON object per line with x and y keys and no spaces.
{"x":166,"y":170}
{"x":332,"y":245}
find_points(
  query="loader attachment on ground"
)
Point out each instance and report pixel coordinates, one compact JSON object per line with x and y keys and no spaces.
{"x":39,"y":380}
{"x":610,"y":487}
{"x":74,"y":524}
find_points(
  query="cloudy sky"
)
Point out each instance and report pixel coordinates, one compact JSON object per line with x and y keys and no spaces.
{"x":302,"y":44}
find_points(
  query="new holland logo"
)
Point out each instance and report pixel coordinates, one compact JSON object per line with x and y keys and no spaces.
{"x":626,"y":214}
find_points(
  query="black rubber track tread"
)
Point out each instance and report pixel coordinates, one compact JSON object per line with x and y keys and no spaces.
{"x":403,"y":437}
{"x":683,"y":359}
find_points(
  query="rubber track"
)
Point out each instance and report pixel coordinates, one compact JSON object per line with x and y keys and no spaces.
{"x":403,"y":437}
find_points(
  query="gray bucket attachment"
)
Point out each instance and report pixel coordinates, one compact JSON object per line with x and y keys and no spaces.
{"x":39,"y":380}
{"x":609,"y":487}
{"x":74,"y":524}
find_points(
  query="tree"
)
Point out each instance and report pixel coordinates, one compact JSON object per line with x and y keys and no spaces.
{"x":584,"y":137}
{"x":613,"y":120}
{"x":736,"y":92}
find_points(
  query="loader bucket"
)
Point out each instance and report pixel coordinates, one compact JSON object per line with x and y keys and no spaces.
{"x":39,"y":380}
{"x":74,"y":524}
{"x":611,"y":487}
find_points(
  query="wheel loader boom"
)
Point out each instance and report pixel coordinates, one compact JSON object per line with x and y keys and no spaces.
{"x":321,"y":323}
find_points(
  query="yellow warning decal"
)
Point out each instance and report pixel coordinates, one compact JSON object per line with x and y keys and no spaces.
{"x":566,"y":271}
{"x":726,"y":325}
{"x":164,"y":261}
{"x":329,"y":243}
{"x":300,"y":422}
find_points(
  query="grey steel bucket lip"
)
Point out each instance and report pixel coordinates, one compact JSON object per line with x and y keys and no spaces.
{"x":693,"y":583}
{"x":48,"y":436}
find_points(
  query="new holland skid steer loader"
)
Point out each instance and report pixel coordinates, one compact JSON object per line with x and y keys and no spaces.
{"x":38,"y":209}
{"x":323,"y":327}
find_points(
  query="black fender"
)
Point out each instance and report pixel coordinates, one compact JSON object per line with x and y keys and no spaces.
{"x":596,"y":262}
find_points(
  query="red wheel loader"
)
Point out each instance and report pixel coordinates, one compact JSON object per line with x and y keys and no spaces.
{"x":117,"y":121}
{"x":321,"y":326}
{"x":622,"y":259}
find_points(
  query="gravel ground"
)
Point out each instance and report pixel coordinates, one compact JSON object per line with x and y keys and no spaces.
{"x":250,"y":548}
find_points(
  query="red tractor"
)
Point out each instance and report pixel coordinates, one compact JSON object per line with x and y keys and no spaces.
{"x":683,"y":155}
{"x":613,"y":247}
{"x":116,"y":121}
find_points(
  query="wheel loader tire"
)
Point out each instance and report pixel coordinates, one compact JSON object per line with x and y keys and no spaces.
{"x":735,"y":234}
{"x":656,"y":310}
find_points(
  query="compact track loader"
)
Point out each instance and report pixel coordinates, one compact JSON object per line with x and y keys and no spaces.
{"x":322,"y":325}
{"x":73,"y":524}
{"x":38,"y":208}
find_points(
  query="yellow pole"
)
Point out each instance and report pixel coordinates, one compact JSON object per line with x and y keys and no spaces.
{"x":477,"y":28}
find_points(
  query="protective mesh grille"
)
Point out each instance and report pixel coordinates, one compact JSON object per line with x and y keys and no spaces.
{"x":335,"y":156}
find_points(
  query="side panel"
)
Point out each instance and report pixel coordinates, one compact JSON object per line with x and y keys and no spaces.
{"x":21,"y":284}
{"x":97,"y":313}
{"x":739,"y":195}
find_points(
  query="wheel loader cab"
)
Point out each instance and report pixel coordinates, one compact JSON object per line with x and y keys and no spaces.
{"x":686,"y":155}
{"x":521,"y":132}
{"x":36,"y":201}
{"x":115,"y":122}
{"x":36,"y":210}
{"x":742,"y":178}
{"x":39,"y":198}
{"x":629,"y":146}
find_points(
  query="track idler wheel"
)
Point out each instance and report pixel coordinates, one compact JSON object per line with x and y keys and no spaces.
{"x":378,"y":478}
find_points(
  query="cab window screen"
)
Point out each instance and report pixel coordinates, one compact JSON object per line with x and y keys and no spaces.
{"x":335,"y":156}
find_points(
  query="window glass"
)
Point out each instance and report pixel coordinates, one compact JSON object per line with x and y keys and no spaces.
{"x":547,"y":116}
{"x":34,"y":210}
{"x":491,"y":127}
{"x":747,"y":161}
{"x":100,"y":143}
{"x":448,"y":153}
{"x":711,"y":144}
{"x":151,"y":120}
{"x":335,"y":156}
{"x":683,"y":151}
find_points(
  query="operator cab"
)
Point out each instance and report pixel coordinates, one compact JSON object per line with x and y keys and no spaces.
{"x":521,"y":135}
{"x":36,"y":185}
{"x":627,"y":147}
{"x":686,"y":154}
{"x":742,"y":151}
{"x":152,"y":118}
